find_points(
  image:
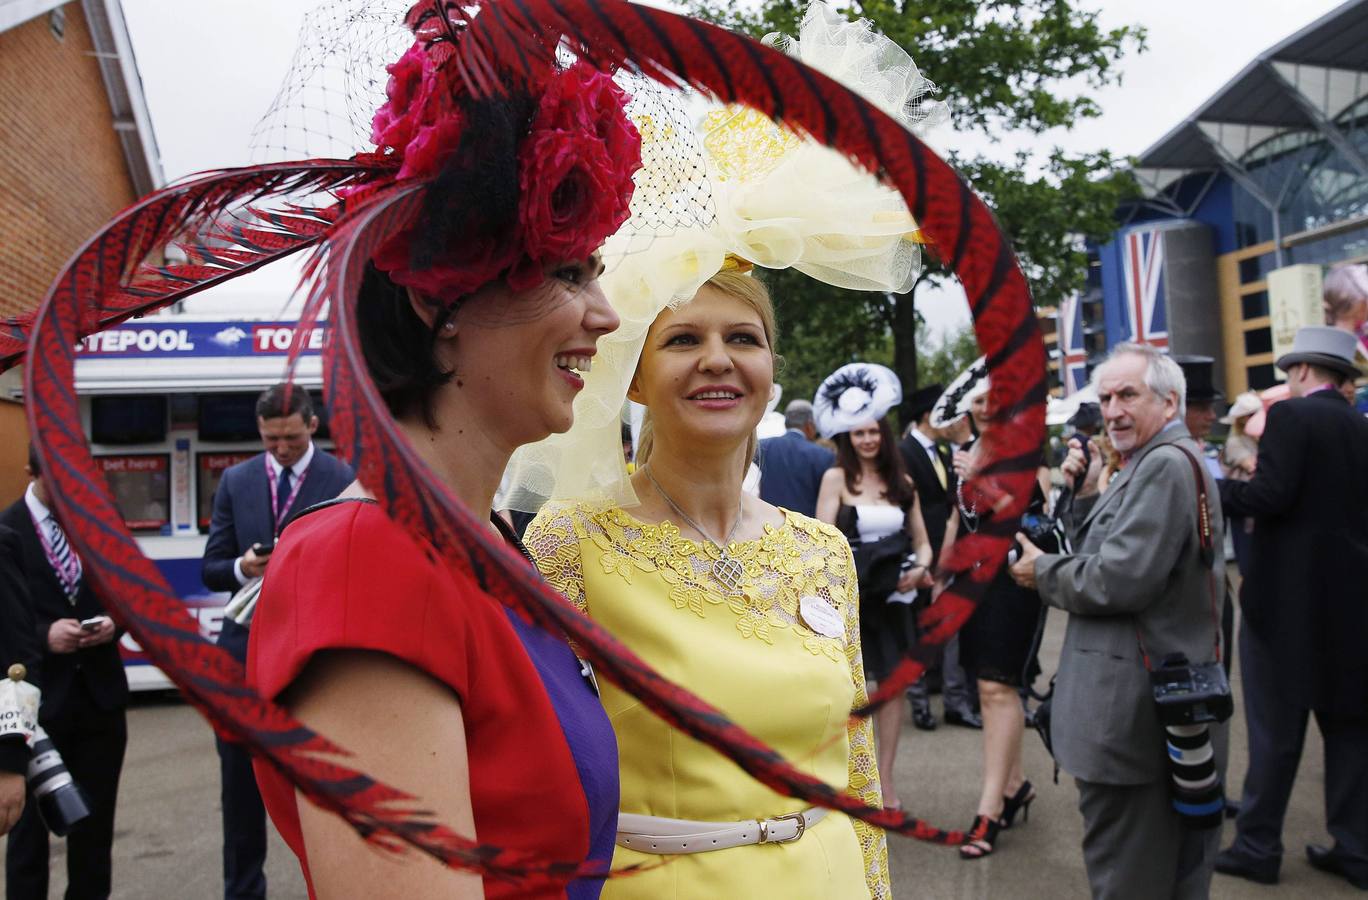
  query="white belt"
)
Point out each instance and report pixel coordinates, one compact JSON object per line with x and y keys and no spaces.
{"x":653,"y":834}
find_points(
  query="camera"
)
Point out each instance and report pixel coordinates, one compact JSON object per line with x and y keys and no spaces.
{"x":1042,"y":530}
{"x":1191,"y":695}
{"x":61,"y":802}
{"x":1189,"y":700}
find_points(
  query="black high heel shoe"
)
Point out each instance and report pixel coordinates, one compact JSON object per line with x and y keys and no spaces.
{"x":980,"y":838}
{"x":1019,"y":802}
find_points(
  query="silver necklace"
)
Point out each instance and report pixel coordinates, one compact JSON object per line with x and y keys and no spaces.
{"x":727,"y":569}
{"x":969,"y":511}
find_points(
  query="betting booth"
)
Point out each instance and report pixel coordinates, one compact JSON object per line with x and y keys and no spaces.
{"x":168,"y":405}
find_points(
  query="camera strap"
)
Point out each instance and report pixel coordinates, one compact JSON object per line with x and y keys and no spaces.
{"x":1206,"y":547}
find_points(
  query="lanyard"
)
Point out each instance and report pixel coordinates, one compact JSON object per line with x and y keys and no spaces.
{"x":68,"y":573}
{"x":278,"y":509}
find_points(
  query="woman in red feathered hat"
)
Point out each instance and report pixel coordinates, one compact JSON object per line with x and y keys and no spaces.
{"x":364,"y":633}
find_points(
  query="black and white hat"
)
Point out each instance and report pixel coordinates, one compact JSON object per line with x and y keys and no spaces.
{"x":854,"y":394}
{"x":954,"y":403}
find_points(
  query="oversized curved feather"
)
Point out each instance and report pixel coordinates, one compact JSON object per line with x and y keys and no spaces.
{"x":139,"y":599}
{"x":508,"y":40}
{"x":732,"y":68}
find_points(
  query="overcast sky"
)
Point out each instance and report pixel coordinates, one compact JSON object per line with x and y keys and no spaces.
{"x":211,"y":70}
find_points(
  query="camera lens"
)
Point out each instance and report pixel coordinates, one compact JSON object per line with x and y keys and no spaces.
{"x":1194,"y":783}
{"x":61,"y":803}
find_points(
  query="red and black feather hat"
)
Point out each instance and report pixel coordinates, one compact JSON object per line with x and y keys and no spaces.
{"x":489,"y":59}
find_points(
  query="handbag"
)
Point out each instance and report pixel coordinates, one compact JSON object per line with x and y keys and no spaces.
{"x":243,"y":603}
{"x":1039,"y":718}
{"x":879,"y":564}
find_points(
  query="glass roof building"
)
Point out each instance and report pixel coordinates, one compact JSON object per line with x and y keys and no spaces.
{"x":1245,"y":203}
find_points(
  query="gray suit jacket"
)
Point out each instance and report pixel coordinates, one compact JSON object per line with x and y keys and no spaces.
{"x":1136,"y":567}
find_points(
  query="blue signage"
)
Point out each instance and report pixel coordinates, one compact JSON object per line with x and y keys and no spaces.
{"x":175,"y":339}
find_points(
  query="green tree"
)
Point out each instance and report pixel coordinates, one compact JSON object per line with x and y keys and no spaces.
{"x":822,"y":328}
{"x":1002,"y":65}
{"x":940,"y":361}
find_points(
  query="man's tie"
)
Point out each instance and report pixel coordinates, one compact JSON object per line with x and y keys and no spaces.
{"x":939,"y":465}
{"x":68,"y":563}
{"x":282,"y":496}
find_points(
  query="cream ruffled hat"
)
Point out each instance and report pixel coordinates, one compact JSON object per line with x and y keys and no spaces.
{"x":777,"y":200}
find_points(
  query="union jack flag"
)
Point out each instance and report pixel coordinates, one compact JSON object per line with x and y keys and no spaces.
{"x":1142,"y":258}
{"x":1073,"y":352}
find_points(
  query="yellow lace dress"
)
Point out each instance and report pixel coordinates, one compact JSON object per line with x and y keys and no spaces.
{"x":752,"y":656}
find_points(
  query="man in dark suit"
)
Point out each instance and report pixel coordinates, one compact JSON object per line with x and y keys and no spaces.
{"x":253,"y":502}
{"x":929,"y":465}
{"x":791,"y":465}
{"x":18,"y":644}
{"x":84,"y":696}
{"x":1305,"y":616}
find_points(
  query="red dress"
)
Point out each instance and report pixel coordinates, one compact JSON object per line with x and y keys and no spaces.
{"x":542,"y":756}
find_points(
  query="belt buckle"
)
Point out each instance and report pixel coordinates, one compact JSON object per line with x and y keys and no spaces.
{"x":796,"y":817}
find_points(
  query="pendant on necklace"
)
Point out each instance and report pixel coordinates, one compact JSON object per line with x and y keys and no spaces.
{"x":728,"y":571}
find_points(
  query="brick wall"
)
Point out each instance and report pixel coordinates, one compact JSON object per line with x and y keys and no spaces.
{"x":13,"y":452}
{"x":62,"y":172}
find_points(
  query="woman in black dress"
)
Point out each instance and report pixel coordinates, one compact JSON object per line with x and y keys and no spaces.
{"x":869,"y":496}
{"x":996,"y":645}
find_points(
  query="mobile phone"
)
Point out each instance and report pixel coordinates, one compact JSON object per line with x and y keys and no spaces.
{"x":93,"y":623}
{"x":263,"y":549}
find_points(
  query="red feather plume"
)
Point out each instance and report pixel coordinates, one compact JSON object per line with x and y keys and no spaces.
{"x":502,"y":42}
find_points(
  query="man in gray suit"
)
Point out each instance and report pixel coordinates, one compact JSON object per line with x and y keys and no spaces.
{"x":1137,"y":576}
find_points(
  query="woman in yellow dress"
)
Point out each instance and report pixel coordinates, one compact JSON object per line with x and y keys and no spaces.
{"x":753,"y":607}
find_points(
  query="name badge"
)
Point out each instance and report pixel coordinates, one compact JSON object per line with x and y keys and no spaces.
{"x":821,"y":617}
{"x":587,"y":673}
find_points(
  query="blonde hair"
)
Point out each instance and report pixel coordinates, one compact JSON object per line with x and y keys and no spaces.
{"x":753,"y":293}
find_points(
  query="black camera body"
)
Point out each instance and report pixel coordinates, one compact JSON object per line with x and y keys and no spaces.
{"x":1187,"y":694}
{"x":1041,"y":530}
{"x":1190,"y":699}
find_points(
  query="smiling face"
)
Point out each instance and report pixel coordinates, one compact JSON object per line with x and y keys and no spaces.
{"x":706,"y":372}
{"x":518,"y":357}
{"x":867,"y":439}
{"x":1132,"y":412}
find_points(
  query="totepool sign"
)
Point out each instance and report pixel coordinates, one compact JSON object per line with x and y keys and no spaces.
{"x":179,"y":339}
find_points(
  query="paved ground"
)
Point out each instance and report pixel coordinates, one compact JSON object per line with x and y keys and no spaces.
{"x":937,"y":779}
{"x":167,"y":843}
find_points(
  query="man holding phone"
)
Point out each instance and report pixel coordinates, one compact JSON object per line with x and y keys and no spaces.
{"x":84,"y":696}
{"x":252,"y":505}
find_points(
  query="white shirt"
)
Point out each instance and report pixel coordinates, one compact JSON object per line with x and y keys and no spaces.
{"x":927,"y":444}
{"x":35,"y":506}
{"x":297,"y":470}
